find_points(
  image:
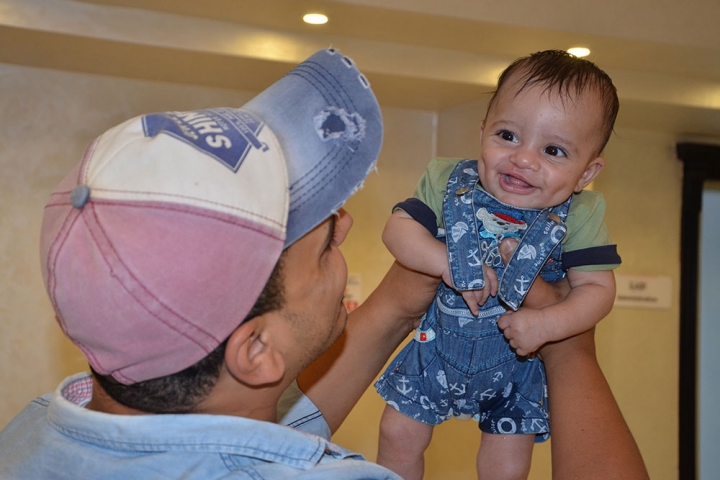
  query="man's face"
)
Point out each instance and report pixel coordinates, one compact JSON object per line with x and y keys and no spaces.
{"x":315,"y":276}
{"x":538,"y":147}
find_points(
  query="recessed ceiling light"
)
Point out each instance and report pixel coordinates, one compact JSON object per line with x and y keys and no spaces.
{"x":579,"y":51}
{"x":315,"y":18}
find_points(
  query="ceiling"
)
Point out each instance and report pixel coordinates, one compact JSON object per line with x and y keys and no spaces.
{"x":664,"y":56}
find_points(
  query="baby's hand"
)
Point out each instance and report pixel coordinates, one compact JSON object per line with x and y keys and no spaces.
{"x":525,"y":329}
{"x":476,"y":298}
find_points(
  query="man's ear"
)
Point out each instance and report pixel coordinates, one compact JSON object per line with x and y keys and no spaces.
{"x":592,"y":171}
{"x":251,"y":357}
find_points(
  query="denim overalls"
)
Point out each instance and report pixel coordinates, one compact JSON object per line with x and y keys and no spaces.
{"x":461,"y":365}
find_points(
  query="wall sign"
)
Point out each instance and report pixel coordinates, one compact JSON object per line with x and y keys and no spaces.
{"x":643,"y":291}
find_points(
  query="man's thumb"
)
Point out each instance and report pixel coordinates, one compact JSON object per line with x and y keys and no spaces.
{"x":507,"y":247}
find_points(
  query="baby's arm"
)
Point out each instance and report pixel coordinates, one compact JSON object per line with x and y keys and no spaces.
{"x":416,"y":248}
{"x":589,"y":301}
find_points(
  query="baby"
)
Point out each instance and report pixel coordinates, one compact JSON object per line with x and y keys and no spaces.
{"x":545,"y":129}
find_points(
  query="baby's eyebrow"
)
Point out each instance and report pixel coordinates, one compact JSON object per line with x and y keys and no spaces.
{"x":504,"y":124}
{"x":564,"y":141}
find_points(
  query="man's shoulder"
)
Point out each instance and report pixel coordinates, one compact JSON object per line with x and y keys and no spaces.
{"x":296,"y":410}
{"x":27,"y":420}
{"x":22,"y":437}
{"x":347,"y":469}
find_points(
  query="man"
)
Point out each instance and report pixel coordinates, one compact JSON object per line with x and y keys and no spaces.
{"x":193,"y":257}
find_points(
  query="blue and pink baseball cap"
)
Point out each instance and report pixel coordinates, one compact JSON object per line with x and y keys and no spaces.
{"x":157,"y":244}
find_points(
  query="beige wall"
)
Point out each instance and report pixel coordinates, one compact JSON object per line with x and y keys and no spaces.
{"x":638,"y":348}
{"x":49,"y":117}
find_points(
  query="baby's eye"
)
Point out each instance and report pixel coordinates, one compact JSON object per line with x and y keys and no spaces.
{"x":507,"y":136}
{"x":555,"y":151}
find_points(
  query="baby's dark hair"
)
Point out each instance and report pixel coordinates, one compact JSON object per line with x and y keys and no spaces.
{"x":568,"y":75}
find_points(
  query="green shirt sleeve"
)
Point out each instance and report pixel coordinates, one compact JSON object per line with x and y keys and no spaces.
{"x":586,"y":226}
{"x":432,"y":185}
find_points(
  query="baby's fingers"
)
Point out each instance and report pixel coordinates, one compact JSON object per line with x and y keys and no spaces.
{"x":483,"y":295}
{"x":491,"y":282}
{"x":504,"y":321}
{"x":520,"y":351}
{"x":471,"y":299}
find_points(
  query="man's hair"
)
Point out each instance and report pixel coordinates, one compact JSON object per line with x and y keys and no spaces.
{"x":569,"y":76}
{"x":181,"y":392}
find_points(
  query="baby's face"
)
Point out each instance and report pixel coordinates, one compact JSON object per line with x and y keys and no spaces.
{"x":538,"y":147}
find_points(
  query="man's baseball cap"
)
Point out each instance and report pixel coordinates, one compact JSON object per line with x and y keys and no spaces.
{"x":157,"y":244}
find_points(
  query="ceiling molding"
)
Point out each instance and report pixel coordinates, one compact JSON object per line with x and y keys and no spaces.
{"x":413,"y":59}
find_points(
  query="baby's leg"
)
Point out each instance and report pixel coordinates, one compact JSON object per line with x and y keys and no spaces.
{"x":504,"y":456}
{"x":402,"y":444}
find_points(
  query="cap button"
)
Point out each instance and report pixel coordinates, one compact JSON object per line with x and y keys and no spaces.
{"x":462,"y":190}
{"x":80,"y":196}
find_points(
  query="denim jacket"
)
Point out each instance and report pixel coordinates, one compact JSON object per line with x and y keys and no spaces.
{"x":55,"y":437}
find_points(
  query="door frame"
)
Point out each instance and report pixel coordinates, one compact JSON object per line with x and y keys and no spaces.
{"x":701,"y":162}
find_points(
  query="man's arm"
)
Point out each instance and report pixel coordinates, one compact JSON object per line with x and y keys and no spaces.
{"x":590,"y":439}
{"x":337,"y":380}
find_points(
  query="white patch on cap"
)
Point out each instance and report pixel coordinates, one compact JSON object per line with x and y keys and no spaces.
{"x":133,"y":167}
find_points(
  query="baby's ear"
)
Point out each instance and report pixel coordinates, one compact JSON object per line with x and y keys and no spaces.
{"x":591,"y":171}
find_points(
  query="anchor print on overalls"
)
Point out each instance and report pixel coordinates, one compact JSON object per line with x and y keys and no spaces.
{"x":461,"y":365}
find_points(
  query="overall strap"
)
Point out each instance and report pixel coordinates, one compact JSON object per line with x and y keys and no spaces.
{"x":541,"y":238}
{"x":461,"y":238}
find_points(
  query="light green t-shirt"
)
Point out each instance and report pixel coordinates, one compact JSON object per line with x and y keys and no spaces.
{"x":585,"y":221}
